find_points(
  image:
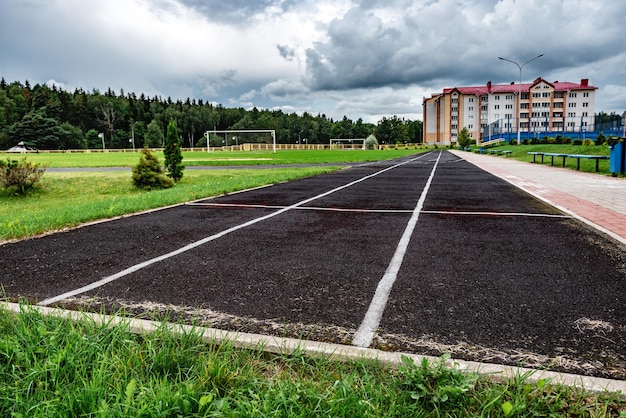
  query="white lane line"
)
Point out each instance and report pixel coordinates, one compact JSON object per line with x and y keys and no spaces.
{"x":470,"y":213}
{"x":195,"y":244}
{"x":365,"y":334}
{"x":429,"y":212}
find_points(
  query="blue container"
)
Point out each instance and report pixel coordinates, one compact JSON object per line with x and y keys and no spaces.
{"x":617,"y":157}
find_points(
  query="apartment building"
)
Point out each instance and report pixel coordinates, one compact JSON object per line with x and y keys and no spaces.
{"x":491,"y":111}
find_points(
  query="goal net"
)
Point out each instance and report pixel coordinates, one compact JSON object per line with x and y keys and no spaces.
{"x":351,"y":143}
{"x":241,"y":140}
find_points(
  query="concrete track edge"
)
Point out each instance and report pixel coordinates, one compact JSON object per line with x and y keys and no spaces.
{"x":283,"y":345}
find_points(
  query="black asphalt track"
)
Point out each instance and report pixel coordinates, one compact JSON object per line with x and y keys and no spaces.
{"x":491,"y":273}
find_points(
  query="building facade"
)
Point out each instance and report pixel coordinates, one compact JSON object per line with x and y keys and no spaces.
{"x":491,"y":111}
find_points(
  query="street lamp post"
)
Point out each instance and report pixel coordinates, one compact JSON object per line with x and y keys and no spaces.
{"x":519,"y":94}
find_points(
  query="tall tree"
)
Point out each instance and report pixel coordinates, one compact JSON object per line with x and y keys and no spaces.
{"x":173,"y":153}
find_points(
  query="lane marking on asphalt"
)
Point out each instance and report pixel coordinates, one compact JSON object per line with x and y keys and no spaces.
{"x":198,"y":243}
{"x":357,"y":210}
{"x":365,"y":334}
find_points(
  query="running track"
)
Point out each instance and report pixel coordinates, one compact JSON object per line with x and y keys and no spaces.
{"x":426,"y":254}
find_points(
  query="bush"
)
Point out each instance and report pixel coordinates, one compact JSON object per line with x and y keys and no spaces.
{"x":600,"y":139}
{"x":587,"y":142}
{"x":149,"y":174}
{"x":567,"y":140}
{"x":371,"y":142}
{"x":18,"y":177}
{"x":578,"y":142}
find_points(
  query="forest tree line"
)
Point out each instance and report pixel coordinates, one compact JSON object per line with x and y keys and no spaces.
{"x":50,"y":118}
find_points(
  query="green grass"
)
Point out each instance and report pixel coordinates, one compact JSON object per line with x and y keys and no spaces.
{"x":521,"y":153}
{"x":68,"y":199}
{"x":64,"y":200}
{"x":217,"y":158}
{"x":53,"y":367}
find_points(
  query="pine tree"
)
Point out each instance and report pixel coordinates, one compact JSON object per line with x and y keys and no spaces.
{"x":173,"y":153}
{"x":148,"y":174}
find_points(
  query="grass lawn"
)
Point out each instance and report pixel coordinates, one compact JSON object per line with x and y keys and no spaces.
{"x":218,"y":158}
{"x":68,"y":199}
{"x":53,"y":367}
{"x":520,"y":152}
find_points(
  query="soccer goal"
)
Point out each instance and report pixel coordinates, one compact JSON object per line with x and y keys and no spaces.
{"x":347,"y":143}
{"x":247,"y":139}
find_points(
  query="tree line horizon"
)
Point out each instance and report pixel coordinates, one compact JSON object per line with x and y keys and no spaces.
{"x":51,"y":118}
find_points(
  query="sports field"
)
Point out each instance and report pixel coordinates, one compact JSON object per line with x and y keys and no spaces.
{"x":424,"y":254}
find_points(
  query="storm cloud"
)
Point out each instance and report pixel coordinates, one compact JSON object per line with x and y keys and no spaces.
{"x":363,"y":59}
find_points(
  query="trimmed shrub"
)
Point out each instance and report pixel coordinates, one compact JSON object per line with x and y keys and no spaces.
{"x":587,"y":142}
{"x":149,"y":174}
{"x":18,"y":177}
{"x":600,"y":139}
{"x":578,"y":142}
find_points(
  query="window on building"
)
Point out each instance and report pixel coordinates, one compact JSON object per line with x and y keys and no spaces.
{"x":571,"y":104}
{"x":509,"y":97}
{"x":572,"y":94}
{"x":471,"y":108}
{"x":524,"y":115}
{"x":508,"y":115}
{"x":524,"y":96}
{"x":571,"y":114}
{"x":496,"y":116}
{"x":509,"y":106}
{"x":525,"y":105}
{"x":536,"y":95}
{"x":586,"y":94}
{"x":483,"y":108}
{"x":536,"y":105}
{"x":557,"y":115}
{"x":545,"y":94}
{"x":571,"y":124}
{"x":585,"y":114}
{"x":470,"y":126}
{"x":558,"y":95}
{"x":585,"y":104}
{"x":558,"y":105}
{"x":545,"y":114}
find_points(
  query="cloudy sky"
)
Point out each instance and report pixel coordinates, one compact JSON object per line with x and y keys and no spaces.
{"x":362,"y":59}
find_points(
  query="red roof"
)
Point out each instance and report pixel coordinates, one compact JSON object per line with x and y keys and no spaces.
{"x":514,"y":88}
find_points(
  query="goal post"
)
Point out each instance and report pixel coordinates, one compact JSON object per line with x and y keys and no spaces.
{"x":240,"y":131}
{"x":352,"y":141}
